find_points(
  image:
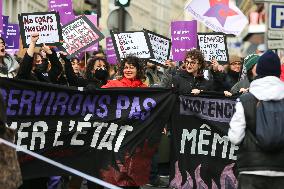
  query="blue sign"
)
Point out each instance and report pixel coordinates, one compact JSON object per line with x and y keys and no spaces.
{"x":277,"y":16}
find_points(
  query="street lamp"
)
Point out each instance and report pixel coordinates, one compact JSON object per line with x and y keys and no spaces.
{"x":122,"y":3}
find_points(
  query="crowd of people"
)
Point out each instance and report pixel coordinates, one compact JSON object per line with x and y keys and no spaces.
{"x":192,"y":76}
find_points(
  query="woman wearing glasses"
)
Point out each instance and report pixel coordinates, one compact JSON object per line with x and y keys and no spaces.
{"x":191,"y":80}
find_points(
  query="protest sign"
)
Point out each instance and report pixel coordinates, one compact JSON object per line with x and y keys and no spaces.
{"x":64,"y":8}
{"x":79,"y":35}
{"x":94,"y":20}
{"x":161,"y":47}
{"x":200,"y":126}
{"x":110,"y":52}
{"x":213,"y":46}
{"x":12,"y":37}
{"x":100,"y":133}
{"x":135,"y":43}
{"x":184,"y":38}
{"x":220,"y":16}
{"x":45,"y":23}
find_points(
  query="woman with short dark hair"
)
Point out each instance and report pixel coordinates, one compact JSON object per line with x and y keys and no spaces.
{"x":131,"y":74}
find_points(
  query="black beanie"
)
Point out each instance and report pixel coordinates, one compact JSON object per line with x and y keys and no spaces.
{"x":268,"y":65}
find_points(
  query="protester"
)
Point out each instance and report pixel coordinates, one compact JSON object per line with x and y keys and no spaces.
{"x":10,"y":174}
{"x":154,"y":77}
{"x":72,"y":71}
{"x":225,"y":77}
{"x":34,"y":67}
{"x":258,"y":168}
{"x":132,"y":73}
{"x":8,"y":64}
{"x":192,"y":80}
{"x":249,"y":74}
{"x":97,"y":73}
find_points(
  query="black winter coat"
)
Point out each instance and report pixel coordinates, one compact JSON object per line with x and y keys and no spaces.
{"x":184,"y":82}
{"x":225,"y":81}
{"x":52,"y":76}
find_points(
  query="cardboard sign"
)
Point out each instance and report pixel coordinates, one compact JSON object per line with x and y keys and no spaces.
{"x":111,"y":56}
{"x":134,"y":43}
{"x":94,"y":20}
{"x":80,"y":34}
{"x":161,"y":47}
{"x":47,"y":24}
{"x":12,"y":36}
{"x":64,"y":8}
{"x":184,"y":38}
{"x":213,"y":46}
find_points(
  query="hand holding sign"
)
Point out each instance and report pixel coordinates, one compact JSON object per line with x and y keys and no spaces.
{"x":46,"y":49}
{"x":34,"y":37}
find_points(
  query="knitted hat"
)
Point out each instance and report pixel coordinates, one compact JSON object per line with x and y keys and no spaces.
{"x":268,"y":64}
{"x":235,"y":58}
{"x":250,"y":61}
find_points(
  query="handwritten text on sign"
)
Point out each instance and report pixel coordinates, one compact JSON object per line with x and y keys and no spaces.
{"x":161,"y":47}
{"x":78,"y":35}
{"x":213,"y":47}
{"x":133,"y":43}
{"x":45,"y":25}
{"x":184,"y":38}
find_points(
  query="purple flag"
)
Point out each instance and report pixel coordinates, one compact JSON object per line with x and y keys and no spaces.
{"x":111,"y":56}
{"x":1,"y":18}
{"x":64,"y":8}
{"x":184,"y":38}
{"x":5,"y":20}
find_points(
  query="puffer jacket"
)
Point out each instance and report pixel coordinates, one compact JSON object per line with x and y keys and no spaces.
{"x":124,"y":82}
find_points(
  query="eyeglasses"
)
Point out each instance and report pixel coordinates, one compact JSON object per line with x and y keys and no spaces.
{"x":236,"y":64}
{"x":191,"y":62}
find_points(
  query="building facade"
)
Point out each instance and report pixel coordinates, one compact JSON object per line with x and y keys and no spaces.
{"x":12,"y":8}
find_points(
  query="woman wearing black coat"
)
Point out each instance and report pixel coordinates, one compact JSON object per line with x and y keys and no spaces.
{"x":191,"y":80}
{"x":35,"y":67}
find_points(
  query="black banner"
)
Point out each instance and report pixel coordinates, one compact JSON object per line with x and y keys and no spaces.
{"x":109,"y":133}
{"x":202,"y":156}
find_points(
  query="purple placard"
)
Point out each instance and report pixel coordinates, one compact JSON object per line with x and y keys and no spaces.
{"x":12,"y":36}
{"x":64,"y":8}
{"x":184,"y":38}
{"x":110,"y":51}
{"x":1,"y":18}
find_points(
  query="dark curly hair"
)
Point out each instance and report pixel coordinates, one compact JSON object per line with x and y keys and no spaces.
{"x":197,"y":55}
{"x":3,"y":40}
{"x":137,"y":63}
{"x":90,"y":66}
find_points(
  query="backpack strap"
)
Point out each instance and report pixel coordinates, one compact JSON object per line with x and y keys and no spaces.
{"x":250,"y":102}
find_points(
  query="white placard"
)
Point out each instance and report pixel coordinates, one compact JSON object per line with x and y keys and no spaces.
{"x":161,"y":47}
{"x":46,"y":24}
{"x":213,"y":46}
{"x":132,"y":43}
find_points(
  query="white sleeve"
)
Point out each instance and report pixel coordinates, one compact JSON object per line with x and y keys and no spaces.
{"x":237,"y":125}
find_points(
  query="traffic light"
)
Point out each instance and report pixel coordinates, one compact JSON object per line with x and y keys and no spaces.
{"x":122,"y":3}
{"x":96,"y":6}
